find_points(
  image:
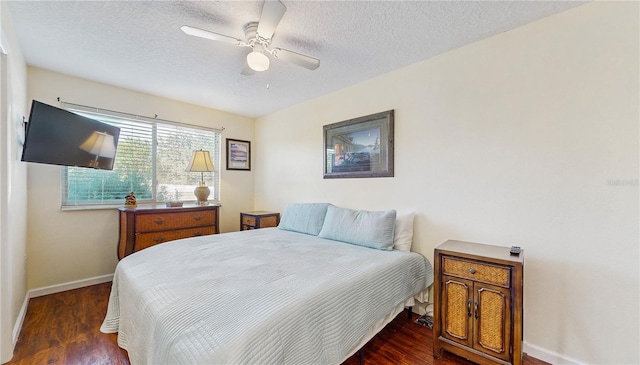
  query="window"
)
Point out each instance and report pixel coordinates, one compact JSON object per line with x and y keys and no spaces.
{"x":151,"y":159}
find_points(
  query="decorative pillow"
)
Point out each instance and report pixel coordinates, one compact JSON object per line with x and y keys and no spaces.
{"x":360,"y":227}
{"x":304,"y":217}
{"x":403,"y":236}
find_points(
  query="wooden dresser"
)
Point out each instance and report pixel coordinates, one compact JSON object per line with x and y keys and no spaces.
{"x":478,"y":302}
{"x":148,"y":225}
{"x":258,"y":219}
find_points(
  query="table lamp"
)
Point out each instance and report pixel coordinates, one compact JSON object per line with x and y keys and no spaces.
{"x":201,"y":162}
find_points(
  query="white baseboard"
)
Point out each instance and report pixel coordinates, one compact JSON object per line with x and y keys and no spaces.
{"x":20,"y":320}
{"x":548,"y":355}
{"x":38,"y":292}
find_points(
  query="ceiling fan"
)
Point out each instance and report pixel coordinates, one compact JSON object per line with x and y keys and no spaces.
{"x":258,"y":37}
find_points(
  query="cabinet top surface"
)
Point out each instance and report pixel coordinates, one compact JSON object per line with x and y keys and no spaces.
{"x":164,"y":207}
{"x":259,"y":212}
{"x":480,"y":249}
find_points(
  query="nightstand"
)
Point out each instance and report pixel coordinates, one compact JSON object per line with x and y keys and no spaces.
{"x":478,"y":302}
{"x":258,"y":219}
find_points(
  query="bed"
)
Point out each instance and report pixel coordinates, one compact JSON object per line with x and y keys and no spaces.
{"x":312,"y":291}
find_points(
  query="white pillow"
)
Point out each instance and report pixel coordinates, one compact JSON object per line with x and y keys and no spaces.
{"x":403,"y":236}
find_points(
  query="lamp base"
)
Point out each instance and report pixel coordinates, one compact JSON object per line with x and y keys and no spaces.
{"x":202,"y":194}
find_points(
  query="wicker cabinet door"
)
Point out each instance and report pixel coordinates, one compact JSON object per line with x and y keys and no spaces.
{"x":456,"y":307}
{"x":492,"y":315}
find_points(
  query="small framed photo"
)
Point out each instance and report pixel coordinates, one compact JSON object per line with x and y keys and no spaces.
{"x":360,"y":147}
{"x":238,"y":154}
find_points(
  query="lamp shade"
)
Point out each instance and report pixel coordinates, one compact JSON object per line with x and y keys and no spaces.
{"x":100,"y":144}
{"x":201,"y":162}
{"x":258,"y":61}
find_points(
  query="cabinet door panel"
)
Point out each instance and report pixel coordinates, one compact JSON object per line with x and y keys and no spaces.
{"x":456,"y":309}
{"x":492,"y":310}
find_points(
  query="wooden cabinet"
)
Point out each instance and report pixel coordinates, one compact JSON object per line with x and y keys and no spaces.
{"x":148,"y":225}
{"x":258,"y":219}
{"x":478,"y":302}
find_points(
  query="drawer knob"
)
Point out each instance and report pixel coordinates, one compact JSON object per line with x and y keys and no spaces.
{"x":159,"y":239}
{"x":472,"y":271}
{"x":158,"y":220}
{"x":197,"y":217}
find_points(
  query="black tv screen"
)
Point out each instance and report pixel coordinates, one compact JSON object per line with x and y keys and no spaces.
{"x":59,"y":137}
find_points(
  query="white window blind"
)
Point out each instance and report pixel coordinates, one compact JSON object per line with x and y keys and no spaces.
{"x":151,"y":159}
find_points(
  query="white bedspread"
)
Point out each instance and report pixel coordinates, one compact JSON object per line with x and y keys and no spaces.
{"x":266,"y":296}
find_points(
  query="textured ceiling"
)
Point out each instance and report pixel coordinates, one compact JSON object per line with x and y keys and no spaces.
{"x":138,"y":44}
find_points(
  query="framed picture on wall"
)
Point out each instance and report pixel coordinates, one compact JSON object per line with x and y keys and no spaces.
{"x":238,"y":154}
{"x":360,"y":147}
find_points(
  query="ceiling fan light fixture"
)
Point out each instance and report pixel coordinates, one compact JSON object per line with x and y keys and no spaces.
{"x":258,"y":37}
{"x":258,"y":61}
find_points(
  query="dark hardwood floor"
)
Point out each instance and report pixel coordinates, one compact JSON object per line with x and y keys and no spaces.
{"x":64,"y":328}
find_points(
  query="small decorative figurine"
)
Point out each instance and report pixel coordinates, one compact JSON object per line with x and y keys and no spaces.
{"x":130,"y":200}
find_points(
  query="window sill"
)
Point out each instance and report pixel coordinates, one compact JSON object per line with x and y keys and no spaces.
{"x":70,"y":208}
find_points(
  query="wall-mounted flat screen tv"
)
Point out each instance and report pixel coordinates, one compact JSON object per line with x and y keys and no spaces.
{"x":59,"y":137}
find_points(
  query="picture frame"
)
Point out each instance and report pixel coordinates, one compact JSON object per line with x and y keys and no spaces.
{"x":238,"y":154}
{"x":360,"y":147}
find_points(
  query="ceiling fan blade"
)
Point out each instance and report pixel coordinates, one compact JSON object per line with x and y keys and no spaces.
{"x":211,"y":35}
{"x":296,"y":58}
{"x":272,"y":12}
{"x":246,"y":70}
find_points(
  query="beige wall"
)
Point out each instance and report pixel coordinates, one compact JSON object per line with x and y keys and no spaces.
{"x":65,"y":246}
{"x":527,"y":138}
{"x":13,"y":177}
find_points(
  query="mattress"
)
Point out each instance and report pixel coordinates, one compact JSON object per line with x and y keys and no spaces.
{"x":265,"y":296}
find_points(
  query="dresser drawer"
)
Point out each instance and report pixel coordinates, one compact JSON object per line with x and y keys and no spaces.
{"x":144,"y":240}
{"x":160,"y":222}
{"x":477,"y":271}
{"x":248,"y":220}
